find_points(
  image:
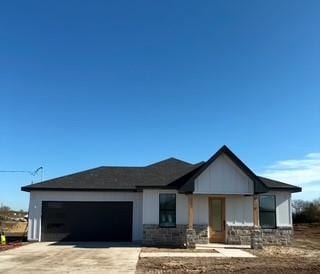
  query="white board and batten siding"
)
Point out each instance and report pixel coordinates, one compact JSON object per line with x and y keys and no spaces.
{"x":151,"y":206}
{"x":223,"y":177}
{"x":36,"y":198}
{"x":239,"y":211}
{"x":238,"y":208}
{"x":283,"y":207}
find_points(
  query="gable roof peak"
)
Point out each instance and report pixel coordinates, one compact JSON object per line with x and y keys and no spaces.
{"x":224,"y":148}
{"x":259,"y":186}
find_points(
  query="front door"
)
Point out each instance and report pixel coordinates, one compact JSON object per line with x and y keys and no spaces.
{"x":217,"y":220}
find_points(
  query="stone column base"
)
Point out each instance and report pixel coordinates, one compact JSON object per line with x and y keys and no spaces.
{"x":191,"y":238}
{"x":256,"y":238}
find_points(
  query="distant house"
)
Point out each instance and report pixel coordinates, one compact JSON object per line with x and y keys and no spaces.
{"x":170,"y":202}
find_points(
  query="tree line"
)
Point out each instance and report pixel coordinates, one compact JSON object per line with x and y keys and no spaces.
{"x":306,"y":211}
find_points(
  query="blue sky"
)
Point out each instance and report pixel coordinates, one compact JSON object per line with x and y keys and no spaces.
{"x":91,"y":83}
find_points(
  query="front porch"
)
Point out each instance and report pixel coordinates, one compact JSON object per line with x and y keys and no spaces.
{"x":231,"y":219}
{"x":206,"y":219}
{"x":221,"y":226}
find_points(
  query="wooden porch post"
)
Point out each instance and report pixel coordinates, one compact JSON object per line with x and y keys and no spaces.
{"x":190,"y":211}
{"x":256,"y":221}
{"x":256,"y":234}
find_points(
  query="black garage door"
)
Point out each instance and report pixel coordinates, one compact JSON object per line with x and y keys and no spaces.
{"x":86,"y":221}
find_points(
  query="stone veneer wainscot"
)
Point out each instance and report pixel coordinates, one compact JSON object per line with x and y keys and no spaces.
{"x":153,"y":235}
{"x":275,"y":236}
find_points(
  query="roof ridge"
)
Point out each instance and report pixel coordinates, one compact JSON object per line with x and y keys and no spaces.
{"x":122,"y":166}
{"x":167,"y":160}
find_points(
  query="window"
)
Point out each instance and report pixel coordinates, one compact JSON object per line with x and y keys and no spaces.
{"x":267,"y":211}
{"x":167,"y":210}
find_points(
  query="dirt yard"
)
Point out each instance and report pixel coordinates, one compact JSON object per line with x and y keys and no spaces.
{"x":303,"y":256}
{"x":11,"y":246}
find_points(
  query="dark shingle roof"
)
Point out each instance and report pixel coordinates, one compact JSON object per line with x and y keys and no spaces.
{"x":169,"y":173}
{"x":276,"y":185}
{"x":119,"y":178}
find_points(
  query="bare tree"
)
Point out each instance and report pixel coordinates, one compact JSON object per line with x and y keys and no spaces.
{"x":4,"y":208}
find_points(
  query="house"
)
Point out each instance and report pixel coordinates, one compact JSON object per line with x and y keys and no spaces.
{"x":171,"y":202}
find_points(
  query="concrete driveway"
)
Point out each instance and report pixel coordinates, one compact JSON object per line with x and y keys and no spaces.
{"x":70,"y":258}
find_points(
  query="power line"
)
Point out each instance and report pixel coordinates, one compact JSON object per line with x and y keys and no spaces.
{"x":17,"y":171}
{"x":33,"y":173}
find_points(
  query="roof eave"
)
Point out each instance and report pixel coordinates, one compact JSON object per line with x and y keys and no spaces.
{"x":155,"y":187}
{"x":289,"y":189}
{"x":29,"y":189}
